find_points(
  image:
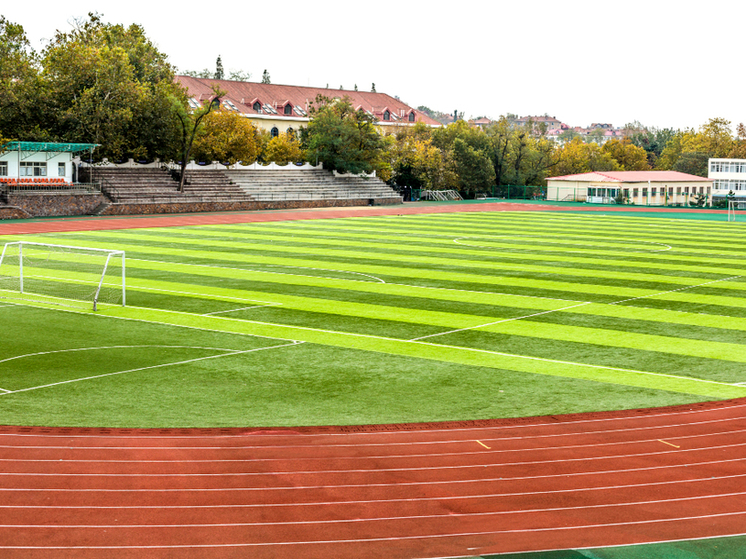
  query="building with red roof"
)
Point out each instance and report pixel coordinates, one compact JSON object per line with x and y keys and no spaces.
{"x":284,"y":108}
{"x":651,"y":188}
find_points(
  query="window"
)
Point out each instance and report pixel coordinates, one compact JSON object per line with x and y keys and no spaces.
{"x":3,"y":168}
{"x":60,"y":169}
{"x":634,"y":193}
{"x":645,"y":192}
{"x":386,"y":115}
{"x":288,"y":110}
{"x":654,"y":191}
{"x":274,"y":132}
{"x":257,"y":107}
{"x":411,"y":117}
{"x":33,"y":169}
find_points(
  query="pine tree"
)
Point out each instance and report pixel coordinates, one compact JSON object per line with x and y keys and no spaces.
{"x":265,"y":77}
{"x":373,"y":88}
{"x":219,"y":69}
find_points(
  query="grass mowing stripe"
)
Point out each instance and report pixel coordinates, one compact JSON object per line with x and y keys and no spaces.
{"x":617,"y":338}
{"x":329,"y":248}
{"x":352,"y":264}
{"x":436,"y":352}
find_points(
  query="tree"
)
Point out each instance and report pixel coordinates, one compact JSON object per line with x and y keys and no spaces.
{"x":227,"y":137}
{"x":283,"y":149}
{"x":416,"y":162}
{"x":219,"y":73}
{"x":693,"y":163}
{"x":577,"y":157}
{"x":342,"y":138}
{"x":628,"y":156}
{"x":373,"y":88}
{"x":23,"y":111}
{"x":265,"y":77}
{"x":189,"y":126}
{"x":475,"y":172}
{"x":104,"y":82}
{"x":239,"y":76}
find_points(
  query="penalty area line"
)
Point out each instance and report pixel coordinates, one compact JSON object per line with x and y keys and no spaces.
{"x":187,"y":361}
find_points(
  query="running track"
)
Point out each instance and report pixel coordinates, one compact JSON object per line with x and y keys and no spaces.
{"x":398,"y":491}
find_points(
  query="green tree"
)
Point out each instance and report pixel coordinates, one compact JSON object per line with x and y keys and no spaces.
{"x":416,"y":162}
{"x":473,"y":167}
{"x":265,"y":77}
{"x":219,"y":72}
{"x":342,"y":138}
{"x":105,"y":83}
{"x":23,"y":97}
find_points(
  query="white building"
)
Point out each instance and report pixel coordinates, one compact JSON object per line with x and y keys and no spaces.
{"x":39,"y":163}
{"x":647,"y":188}
{"x":728,"y":175}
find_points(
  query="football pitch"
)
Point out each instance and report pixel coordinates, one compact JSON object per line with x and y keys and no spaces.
{"x":395,"y":319}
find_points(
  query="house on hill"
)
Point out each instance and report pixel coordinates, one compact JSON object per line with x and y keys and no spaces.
{"x":285,"y":108}
{"x":650,"y":188}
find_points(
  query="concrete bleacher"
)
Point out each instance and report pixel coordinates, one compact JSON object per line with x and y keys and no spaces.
{"x":135,"y":190}
{"x":316,"y":184}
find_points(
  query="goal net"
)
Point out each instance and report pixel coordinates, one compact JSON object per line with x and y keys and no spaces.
{"x":62,"y":274}
{"x":734,"y":208}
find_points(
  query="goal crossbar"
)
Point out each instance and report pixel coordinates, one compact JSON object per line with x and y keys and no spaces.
{"x":46,"y":253}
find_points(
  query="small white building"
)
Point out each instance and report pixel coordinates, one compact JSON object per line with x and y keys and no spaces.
{"x":728,"y":175}
{"x":39,"y":163}
{"x":646,"y":188}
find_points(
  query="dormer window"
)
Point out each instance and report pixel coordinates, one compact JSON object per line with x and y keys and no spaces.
{"x":288,"y":110}
{"x":193,"y":103}
{"x":411,"y":117}
{"x":386,"y":115}
{"x":257,"y":106}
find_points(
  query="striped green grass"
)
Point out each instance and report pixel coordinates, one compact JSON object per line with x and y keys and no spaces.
{"x":391,"y":319}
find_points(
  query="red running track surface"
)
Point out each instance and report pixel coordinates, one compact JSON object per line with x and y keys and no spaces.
{"x":406,"y":491}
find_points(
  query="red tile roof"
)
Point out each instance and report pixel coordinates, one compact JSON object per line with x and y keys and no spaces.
{"x":632,"y":176}
{"x":244,"y":94}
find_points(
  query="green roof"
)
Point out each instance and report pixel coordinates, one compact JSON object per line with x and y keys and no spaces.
{"x":47,"y":146}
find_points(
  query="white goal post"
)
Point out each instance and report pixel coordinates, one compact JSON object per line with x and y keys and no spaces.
{"x":62,"y":272}
{"x":734,"y":206}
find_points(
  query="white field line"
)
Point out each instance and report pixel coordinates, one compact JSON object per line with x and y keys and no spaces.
{"x":499,"y":322}
{"x":674,"y":290}
{"x":544,"y":240}
{"x":383,"y":338}
{"x":148,"y":368}
{"x":439,"y":536}
{"x":424,"y":287}
{"x":377,"y":279}
{"x":449,"y":514}
{"x":243,"y":309}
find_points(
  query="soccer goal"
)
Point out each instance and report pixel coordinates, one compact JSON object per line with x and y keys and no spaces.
{"x":60,"y":273}
{"x":734,"y":207}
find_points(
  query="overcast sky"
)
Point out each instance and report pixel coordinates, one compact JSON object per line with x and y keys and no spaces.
{"x":664,"y":63}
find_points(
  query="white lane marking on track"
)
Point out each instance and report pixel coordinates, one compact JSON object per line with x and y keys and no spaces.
{"x":499,"y":322}
{"x":409,"y":443}
{"x":439,"y":536}
{"x":480,"y":466}
{"x":92,"y":377}
{"x":382,"y":518}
